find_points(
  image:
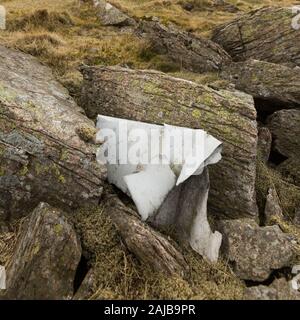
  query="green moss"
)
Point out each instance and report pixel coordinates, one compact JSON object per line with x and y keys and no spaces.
{"x":62,"y":179}
{"x":23,"y":171}
{"x":58,"y":228}
{"x":196,"y":113}
{"x":86,"y":133}
{"x":2,"y":172}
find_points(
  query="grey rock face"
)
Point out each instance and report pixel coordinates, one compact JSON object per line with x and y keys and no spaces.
{"x":185,"y":49}
{"x":255,"y":251}
{"x":45,"y":259}
{"x":280,"y":289}
{"x":155,"y":97}
{"x":46,"y":142}
{"x":285,"y":128}
{"x":264,"y":34}
{"x":277,"y":84}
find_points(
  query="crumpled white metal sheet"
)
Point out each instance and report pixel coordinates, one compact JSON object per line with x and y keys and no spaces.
{"x":148,"y":162}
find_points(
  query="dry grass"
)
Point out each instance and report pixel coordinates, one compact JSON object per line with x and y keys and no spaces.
{"x":8,"y":241}
{"x":120,"y":276}
{"x":65,"y":34}
{"x":288,"y":193}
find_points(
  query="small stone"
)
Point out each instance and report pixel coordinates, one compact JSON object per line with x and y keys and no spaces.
{"x":273,"y":211}
{"x":111,"y":16}
{"x":255,"y":251}
{"x":45,"y":259}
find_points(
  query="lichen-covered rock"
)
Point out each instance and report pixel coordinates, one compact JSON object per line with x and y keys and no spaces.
{"x":111,"y":16}
{"x":275,"y":85}
{"x":264,"y":34}
{"x":264,"y":143}
{"x":285,"y":128}
{"x":147,"y":244}
{"x":273,"y":211}
{"x":184,"y":49}
{"x":44,"y":153}
{"x":255,"y":251}
{"x":154,"y":97}
{"x":280,"y":289}
{"x":87,"y":287}
{"x":45,"y":259}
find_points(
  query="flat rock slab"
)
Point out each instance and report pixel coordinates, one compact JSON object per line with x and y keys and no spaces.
{"x":265,"y":34}
{"x":188,"y":51}
{"x":47,"y":152}
{"x":154,"y":97}
{"x":45,"y":259}
{"x":276,"y":85}
{"x":255,"y":251}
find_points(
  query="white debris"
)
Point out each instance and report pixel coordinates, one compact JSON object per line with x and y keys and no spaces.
{"x":2,"y":278}
{"x":149,"y":161}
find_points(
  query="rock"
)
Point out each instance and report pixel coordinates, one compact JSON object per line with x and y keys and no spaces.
{"x":224,"y":6}
{"x":43,"y":157}
{"x":274,"y":86}
{"x":154,"y":97}
{"x":297,"y":217}
{"x":264,"y":143}
{"x":2,"y":18}
{"x":182,"y":48}
{"x":45,"y":259}
{"x":280,"y":289}
{"x":148,"y":245}
{"x":264,"y":34}
{"x":87,"y":287}
{"x":111,"y":16}
{"x":285,"y":128}
{"x":188,"y":6}
{"x":255,"y":251}
{"x":273,"y":211}
{"x":185,"y":212}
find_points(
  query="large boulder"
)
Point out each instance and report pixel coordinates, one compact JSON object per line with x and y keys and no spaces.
{"x":45,"y":259}
{"x":47,"y":151}
{"x":264,"y":34}
{"x":285,"y":128}
{"x":186,"y":50}
{"x":154,"y":97}
{"x":271,"y":84}
{"x":255,"y":251}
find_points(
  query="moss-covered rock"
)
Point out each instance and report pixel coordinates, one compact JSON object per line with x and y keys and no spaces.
{"x":264,"y":34}
{"x":46,"y":142}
